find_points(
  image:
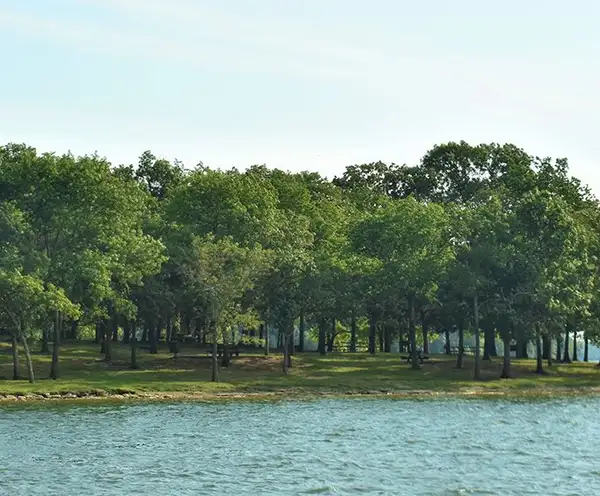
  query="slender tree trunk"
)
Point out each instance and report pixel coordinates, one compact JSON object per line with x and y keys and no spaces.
{"x":447,"y":337}
{"x":387,"y":339}
{"x":331,"y":337}
{"x":586,"y":348}
{"x":301,"y":332}
{"x":425,"y":330}
{"x":353,"y":332}
{"x":30,"y":374}
{"x":546,"y":347}
{"x":225,"y":359}
{"x":267,"y":339}
{"x":145,"y":333}
{"x":490,"y":342}
{"x":380,"y":336}
{"x":74,"y":329}
{"x":372,"y":333}
{"x":153,"y":335}
{"x":575,"y":355}
{"x":558,"y":349}
{"x":285,"y":354}
{"x":54,"y":373}
{"x":549,"y":340}
{"x":45,"y":340}
{"x":98,"y":339}
{"x":461,"y":347}
{"x":107,"y":342}
{"x":413,"y":334}
{"x":477,"y":366}
{"x":15,"y":357}
{"x":169,"y":334}
{"x":290,"y":345}
{"x":133,"y":344}
{"x":506,"y":362}
{"x":126,"y":331}
{"x":567,"y":357}
{"x":322,"y":337}
{"x":539,"y":353}
{"x":215,"y":362}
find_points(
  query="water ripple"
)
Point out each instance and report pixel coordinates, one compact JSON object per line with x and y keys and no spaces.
{"x":322,"y":447}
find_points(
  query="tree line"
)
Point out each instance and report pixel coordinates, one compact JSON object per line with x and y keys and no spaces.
{"x":487,"y":240}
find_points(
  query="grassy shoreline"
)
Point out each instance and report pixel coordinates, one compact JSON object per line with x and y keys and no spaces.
{"x":86,"y":378}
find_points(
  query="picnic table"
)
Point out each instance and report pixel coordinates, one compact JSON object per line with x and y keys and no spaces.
{"x":420,"y":356}
{"x":233,"y":350}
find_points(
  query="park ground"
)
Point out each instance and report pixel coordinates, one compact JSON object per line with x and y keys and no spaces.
{"x":84,"y":375}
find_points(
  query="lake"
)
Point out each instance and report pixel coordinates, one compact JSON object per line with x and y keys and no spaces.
{"x":433,"y":447}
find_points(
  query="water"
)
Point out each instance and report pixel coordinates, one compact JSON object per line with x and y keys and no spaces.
{"x":449,"y":447}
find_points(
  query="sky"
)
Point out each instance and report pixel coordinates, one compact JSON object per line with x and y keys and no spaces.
{"x":301,"y":84}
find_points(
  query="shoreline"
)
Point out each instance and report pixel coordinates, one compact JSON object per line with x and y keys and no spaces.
{"x":102,"y":396}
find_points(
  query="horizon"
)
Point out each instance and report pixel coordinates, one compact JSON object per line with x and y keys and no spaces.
{"x":314,"y":87}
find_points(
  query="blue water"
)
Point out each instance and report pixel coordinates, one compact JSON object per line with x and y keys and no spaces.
{"x":437,"y":447}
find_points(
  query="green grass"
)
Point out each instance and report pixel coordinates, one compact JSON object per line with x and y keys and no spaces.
{"x":83,"y":372}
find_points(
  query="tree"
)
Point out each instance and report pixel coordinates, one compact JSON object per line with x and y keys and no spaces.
{"x":412,"y":241}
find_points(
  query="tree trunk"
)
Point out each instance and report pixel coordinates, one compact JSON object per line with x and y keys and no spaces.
{"x":145,"y":333}
{"x":285,"y":354}
{"x":45,"y":340}
{"x":549,"y":351}
{"x":447,"y":337}
{"x":372,"y":333}
{"x":133,"y":344}
{"x":539,"y":354}
{"x":353,"y":332}
{"x":301,"y":332}
{"x":126,"y":331}
{"x":153,"y":335}
{"x":225,"y":359}
{"x":107,"y":342}
{"x":387,"y":339}
{"x":567,"y":357}
{"x":477,"y":366}
{"x":380,"y":335}
{"x":490,"y":342}
{"x":522,"y":348}
{"x":586,"y":348}
{"x":74,"y":329}
{"x":506,"y":362}
{"x":546,"y":347}
{"x":15,"y":357}
{"x":215,"y":363}
{"x":267,"y":342}
{"x":461,"y":347}
{"x":55,"y":349}
{"x":169,"y":334}
{"x":414,"y":357}
{"x":290,"y":345}
{"x":98,"y":338}
{"x":30,"y":374}
{"x":558,"y":349}
{"x":322,"y":345}
{"x":425,"y":330}
{"x":331,"y":336}
{"x":575,"y":356}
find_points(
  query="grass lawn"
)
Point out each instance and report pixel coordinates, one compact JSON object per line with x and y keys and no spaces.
{"x":252,"y":375}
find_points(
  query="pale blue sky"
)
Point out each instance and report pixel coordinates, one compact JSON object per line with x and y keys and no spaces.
{"x":303,"y":84}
